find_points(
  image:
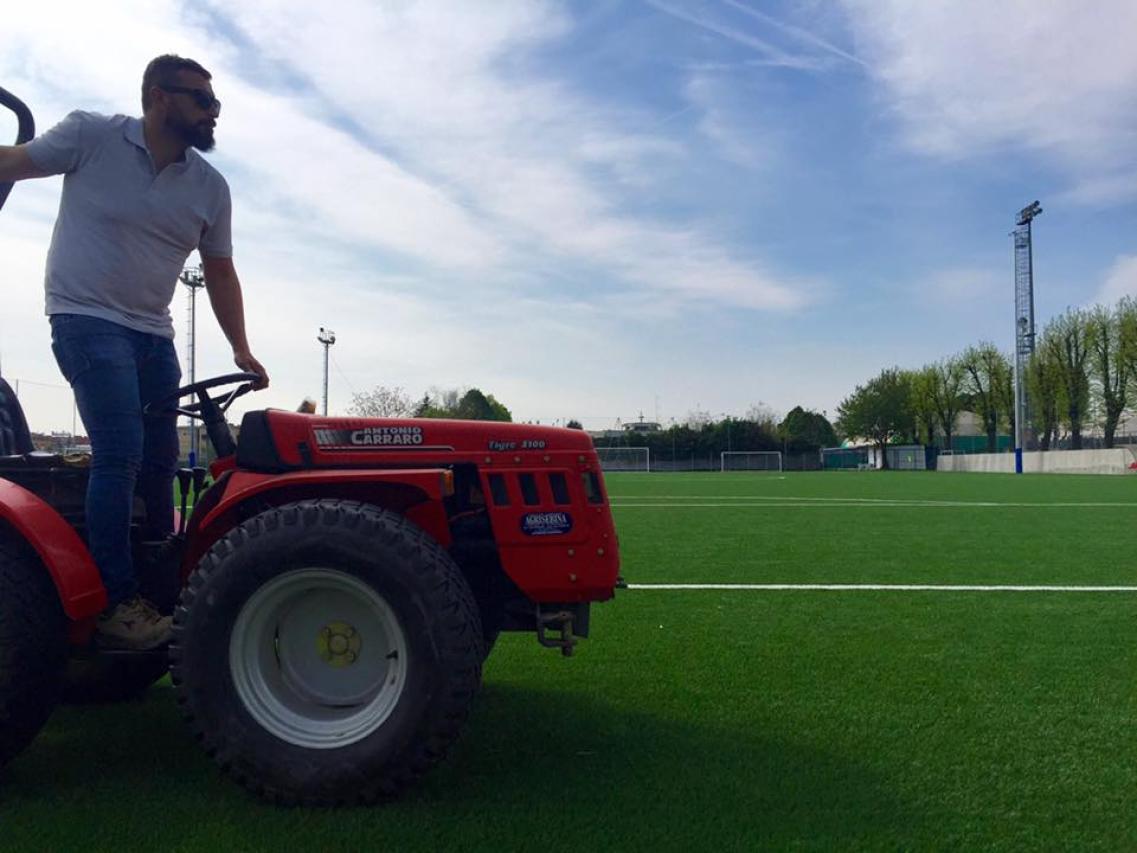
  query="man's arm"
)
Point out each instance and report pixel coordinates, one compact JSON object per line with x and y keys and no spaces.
{"x":16,"y":164}
{"x":225,"y":297}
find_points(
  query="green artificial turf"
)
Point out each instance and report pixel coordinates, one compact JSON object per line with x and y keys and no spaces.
{"x":902,"y":527}
{"x":722,"y":719}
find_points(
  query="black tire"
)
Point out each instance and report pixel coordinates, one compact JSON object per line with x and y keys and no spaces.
{"x":33,"y":646}
{"x":492,"y":616}
{"x":97,"y":679}
{"x":225,"y":681}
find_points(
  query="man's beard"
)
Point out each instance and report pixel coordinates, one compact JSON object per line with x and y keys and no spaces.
{"x":199,"y":136}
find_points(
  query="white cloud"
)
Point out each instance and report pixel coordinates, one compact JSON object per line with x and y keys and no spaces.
{"x":344,"y":191}
{"x":736,"y":127}
{"x":973,"y":77}
{"x":801,"y":34}
{"x":407,"y":175}
{"x":471,"y":161}
{"x":962,"y":288}
{"x":770,"y":53}
{"x":1120,"y":281}
{"x":450,"y":89}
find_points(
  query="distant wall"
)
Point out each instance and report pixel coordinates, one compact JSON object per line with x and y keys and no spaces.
{"x":1119,"y":460}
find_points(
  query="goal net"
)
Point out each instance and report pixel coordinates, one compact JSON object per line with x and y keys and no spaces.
{"x":751,"y":460}
{"x":624,"y":458}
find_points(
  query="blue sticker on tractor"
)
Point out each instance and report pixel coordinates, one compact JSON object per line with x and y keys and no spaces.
{"x":546,"y":523}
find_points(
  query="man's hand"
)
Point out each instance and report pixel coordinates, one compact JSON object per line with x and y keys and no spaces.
{"x":248,"y":363}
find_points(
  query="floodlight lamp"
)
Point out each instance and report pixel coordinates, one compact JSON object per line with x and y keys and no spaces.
{"x":1029,"y":212}
{"x":326,"y":336}
{"x":192,"y":277}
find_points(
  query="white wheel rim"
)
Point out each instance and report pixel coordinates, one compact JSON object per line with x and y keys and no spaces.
{"x":318,"y":658}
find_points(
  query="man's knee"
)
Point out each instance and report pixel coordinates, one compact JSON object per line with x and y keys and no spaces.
{"x":124,"y":461}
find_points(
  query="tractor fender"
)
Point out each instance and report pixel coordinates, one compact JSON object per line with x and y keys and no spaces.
{"x":59,"y":547}
{"x":420,"y":494}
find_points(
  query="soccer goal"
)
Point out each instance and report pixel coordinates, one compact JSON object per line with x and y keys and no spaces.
{"x":751,"y":460}
{"x":625,"y":458}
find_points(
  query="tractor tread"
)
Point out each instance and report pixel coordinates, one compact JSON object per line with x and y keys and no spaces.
{"x":33,"y":645}
{"x":458,"y":631}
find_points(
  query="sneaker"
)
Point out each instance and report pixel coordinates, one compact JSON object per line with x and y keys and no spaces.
{"x":134,"y":624}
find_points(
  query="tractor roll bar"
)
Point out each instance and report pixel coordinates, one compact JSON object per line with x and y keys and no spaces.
{"x":26,"y":129}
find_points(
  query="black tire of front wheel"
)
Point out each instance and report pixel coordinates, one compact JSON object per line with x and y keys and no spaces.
{"x":33,"y":646}
{"x":492,"y":617}
{"x":415,"y":577}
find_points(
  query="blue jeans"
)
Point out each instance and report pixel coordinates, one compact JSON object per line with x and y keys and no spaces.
{"x":115,"y":371}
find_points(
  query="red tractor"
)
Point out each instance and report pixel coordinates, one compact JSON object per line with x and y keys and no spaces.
{"x":335,"y":590}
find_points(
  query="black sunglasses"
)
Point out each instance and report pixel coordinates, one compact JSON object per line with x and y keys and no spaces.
{"x":200,"y":97}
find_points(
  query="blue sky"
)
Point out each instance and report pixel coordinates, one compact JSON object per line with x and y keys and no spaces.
{"x":593,"y":210}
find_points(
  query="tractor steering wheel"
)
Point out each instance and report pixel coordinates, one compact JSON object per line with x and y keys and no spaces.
{"x":209,"y":410}
{"x":206,"y":405}
{"x":25,"y":129}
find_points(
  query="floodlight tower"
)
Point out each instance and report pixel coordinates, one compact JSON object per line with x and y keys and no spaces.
{"x":326,"y":337}
{"x":194,"y":279}
{"x":1024,"y":322}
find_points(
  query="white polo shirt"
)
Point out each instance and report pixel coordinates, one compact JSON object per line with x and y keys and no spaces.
{"x":124,"y":231}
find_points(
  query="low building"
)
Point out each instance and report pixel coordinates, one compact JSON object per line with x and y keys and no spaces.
{"x":641,"y":426}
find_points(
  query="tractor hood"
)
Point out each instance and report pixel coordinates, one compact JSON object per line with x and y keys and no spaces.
{"x":292,"y":439}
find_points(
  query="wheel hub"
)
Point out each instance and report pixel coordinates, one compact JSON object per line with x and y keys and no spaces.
{"x":318,"y":658}
{"x":338,"y":644}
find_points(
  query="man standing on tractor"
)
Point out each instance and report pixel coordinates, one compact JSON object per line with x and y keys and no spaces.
{"x":137,"y":199}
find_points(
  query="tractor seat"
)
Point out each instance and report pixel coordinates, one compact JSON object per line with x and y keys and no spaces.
{"x":41,"y":459}
{"x":15,"y":439}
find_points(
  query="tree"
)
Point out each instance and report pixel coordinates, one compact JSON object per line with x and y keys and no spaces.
{"x":381,"y":402}
{"x":763,"y":415}
{"x":745,"y":434}
{"x":573,"y":423}
{"x":698,"y":419}
{"x":424,"y":408}
{"x":1068,"y":336}
{"x":803,"y":430}
{"x":924,"y":402}
{"x":1044,"y":385}
{"x":500,"y":412}
{"x":1005,"y":392}
{"x":476,"y":406}
{"x":879,"y":410}
{"x":447,"y":400}
{"x":1110,"y":363}
{"x":945,"y":387}
{"x":473,"y":406}
{"x":470,"y":404}
{"x":1127,"y":312}
{"x":985,"y":371}
{"x":911,"y":431}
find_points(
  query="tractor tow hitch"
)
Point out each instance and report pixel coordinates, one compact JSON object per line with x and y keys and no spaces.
{"x":560,"y":621}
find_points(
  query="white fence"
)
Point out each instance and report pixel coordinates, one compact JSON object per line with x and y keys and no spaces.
{"x":1119,"y":460}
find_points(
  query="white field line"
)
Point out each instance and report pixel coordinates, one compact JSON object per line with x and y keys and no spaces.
{"x":786,"y":500}
{"x":849,"y":587}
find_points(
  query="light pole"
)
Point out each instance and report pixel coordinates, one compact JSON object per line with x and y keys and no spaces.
{"x":194,"y":279}
{"x":1024,"y":321}
{"x":326,"y":337}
